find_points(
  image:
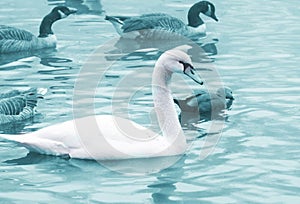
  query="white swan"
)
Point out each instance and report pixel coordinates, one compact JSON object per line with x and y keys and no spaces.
{"x":153,"y":25}
{"x":14,"y":39}
{"x":106,"y":137}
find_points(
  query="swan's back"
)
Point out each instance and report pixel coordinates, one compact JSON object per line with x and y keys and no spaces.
{"x":108,"y":138}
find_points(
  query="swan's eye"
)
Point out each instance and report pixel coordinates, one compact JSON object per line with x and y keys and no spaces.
{"x":187,"y":65}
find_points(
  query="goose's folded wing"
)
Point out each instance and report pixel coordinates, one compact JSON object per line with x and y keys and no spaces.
{"x":151,"y":21}
{"x":9,"y":94}
{"x":12,"y":33}
{"x":134,"y":24}
{"x":27,"y":112}
{"x":13,"y":105}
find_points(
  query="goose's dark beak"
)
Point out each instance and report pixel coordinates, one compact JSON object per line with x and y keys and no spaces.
{"x":213,"y":16}
{"x":72,"y":10}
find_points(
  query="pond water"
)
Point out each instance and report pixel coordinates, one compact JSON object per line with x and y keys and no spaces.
{"x":253,"y":155}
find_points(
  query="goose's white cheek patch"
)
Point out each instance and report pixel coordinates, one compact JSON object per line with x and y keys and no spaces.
{"x":208,"y":12}
{"x":62,"y":14}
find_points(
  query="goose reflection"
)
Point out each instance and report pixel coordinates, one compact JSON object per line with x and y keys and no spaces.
{"x":92,"y":7}
{"x":47,"y":58}
{"x":130,"y":46}
{"x":54,"y":61}
{"x":5,"y":59}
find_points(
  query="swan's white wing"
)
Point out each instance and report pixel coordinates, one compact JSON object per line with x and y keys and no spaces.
{"x":95,"y":137}
{"x":40,"y":145}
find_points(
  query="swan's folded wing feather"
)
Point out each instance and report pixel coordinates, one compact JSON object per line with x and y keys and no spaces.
{"x":38,"y":144}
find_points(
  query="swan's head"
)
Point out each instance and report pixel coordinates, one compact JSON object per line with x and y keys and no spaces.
{"x":177,"y":61}
{"x":62,"y":11}
{"x":225,"y":92}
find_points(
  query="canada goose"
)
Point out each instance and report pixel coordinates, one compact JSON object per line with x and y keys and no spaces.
{"x":14,"y":39}
{"x":160,"y":25}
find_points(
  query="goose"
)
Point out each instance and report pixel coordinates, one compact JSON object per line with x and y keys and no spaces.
{"x":206,"y":102}
{"x":108,"y":137}
{"x":138,"y":27}
{"x":18,"y":106}
{"x":15,"y":40}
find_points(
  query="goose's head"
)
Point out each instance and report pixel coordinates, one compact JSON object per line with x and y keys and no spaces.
{"x":61,"y":12}
{"x":205,"y":7}
{"x":177,"y":61}
{"x":225,"y":92}
{"x":209,"y":10}
{"x":57,"y":13}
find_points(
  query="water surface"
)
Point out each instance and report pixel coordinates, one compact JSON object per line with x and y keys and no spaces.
{"x":255,"y":49}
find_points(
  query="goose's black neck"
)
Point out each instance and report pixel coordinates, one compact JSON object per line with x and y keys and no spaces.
{"x":194,"y":19}
{"x":46,"y":24}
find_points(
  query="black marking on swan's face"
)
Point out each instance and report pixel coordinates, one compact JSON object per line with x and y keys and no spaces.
{"x":186,"y":66}
{"x":190,"y":71}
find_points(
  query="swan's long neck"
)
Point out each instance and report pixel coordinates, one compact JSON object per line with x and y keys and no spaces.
{"x":164,"y":107}
{"x":46,"y":25}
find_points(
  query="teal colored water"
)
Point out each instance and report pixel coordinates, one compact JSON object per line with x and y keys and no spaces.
{"x":255,"y":49}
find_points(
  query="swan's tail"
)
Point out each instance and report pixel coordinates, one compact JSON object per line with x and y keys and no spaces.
{"x":13,"y":138}
{"x":36,"y":144}
{"x":23,"y":140}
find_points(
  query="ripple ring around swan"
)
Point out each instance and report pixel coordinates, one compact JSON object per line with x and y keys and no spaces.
{"x":93,"y":72}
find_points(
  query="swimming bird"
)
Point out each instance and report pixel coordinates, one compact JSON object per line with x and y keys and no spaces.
{"x":108,"y":137}
{"x":19,"y":105}
{"x":14,"y":39}
{"x":206,"y":102}
{"x":160,"y":25}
